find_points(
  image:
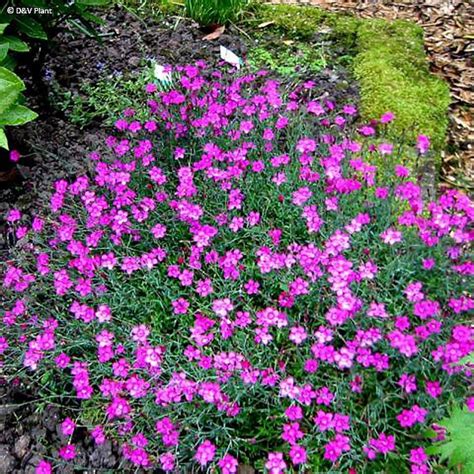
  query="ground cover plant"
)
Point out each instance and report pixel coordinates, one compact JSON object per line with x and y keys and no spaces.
{"x":389,"y":61}
{"x":239,"y":281}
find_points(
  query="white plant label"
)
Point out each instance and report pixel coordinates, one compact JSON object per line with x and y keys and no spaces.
{"x":229,"y":57}
{"x":161,"y":75}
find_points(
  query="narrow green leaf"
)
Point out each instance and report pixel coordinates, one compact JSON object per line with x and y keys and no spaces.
{"x":17,"y":115}
{"x":94,"y":18}
{"x":2,"y":27}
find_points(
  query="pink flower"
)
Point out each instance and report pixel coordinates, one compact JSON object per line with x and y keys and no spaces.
{"x":423,"y":144}
{"x":433,"y":389}
{"x":418,"y":456}
{"x":68,"y":426}
{"x":408,"y":418}
{"x":391,"y":236}
{"x":222,"y":307}
{"x":15,"y":156}
{"x":228,"y":464}
{"x":470,"y":403}
{"x":275,"y":463}
{"x":14,"y":215}
{"x":298,"y":455}
{"x":335,"y":448}
{"x":98,"y":434}
{"x":167,"y":461}
{"x":180,"y":306}
{"x":67,"y":452}
{"x":44,"y":467}
{"x":205,"y":453}
{"x":387,"y":117}
{"x":297,"y":334}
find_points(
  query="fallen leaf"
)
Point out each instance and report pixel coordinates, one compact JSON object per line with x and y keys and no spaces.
{"x":265,"y":24}
{"x":215,"y":34}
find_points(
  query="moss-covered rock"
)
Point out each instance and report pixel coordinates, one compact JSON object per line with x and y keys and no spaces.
{"x":393,"y":73}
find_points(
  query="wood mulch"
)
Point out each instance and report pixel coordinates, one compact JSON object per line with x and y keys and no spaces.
{"x":449,"y":42}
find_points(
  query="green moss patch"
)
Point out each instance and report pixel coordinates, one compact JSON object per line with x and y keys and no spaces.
{"x":393,"y":73}
{"x":389,"y":62}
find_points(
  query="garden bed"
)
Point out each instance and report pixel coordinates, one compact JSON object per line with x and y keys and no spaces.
{"x":86,"y":90}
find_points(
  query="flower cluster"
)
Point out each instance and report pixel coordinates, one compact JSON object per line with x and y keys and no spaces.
{"x":237,"y":281}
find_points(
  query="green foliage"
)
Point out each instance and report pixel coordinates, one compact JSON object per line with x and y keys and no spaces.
{"x":11,"y":112}
{"x":458,"y":447}
{"x":297,"y":22}
{"x":214,"y":12}
{"x":394,"y":75}
{"x":304,"y":22}
{"x":154,"y":8}
{"x":47,"y":16}
{"x":102,"y":100}
{"x":288,"y":60}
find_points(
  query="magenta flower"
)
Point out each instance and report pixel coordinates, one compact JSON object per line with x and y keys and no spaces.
{"x":423,"y":144}
{"x":43,"y":467}
{"x":205,"y":453}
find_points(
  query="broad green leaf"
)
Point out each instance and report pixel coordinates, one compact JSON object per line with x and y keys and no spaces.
{"x":2,"y":27}
{"x":3,"y":139}
{"x":31,"y":28}
{"x":10,"y":87}
{"x":16,"y":44}
{"x":458,"y":447}
{"x":469,"y":359}
{"x":3,"y":51}
{"x":17,"y":115}
{"x":8,"y":63}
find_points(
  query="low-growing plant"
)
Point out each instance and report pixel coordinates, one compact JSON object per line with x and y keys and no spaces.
{"x":293,"y":60}
{"x":102,"y":100}
{"x":239,"y":282}
{"x":214,"y":12}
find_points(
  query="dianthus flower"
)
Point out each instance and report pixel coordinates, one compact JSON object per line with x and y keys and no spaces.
{"x":275,"y":463}
{"x":205,"y":453}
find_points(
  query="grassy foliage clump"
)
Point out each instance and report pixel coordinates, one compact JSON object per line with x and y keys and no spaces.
{"x":214,"y":12}
{"x":288,"y":60}
{"x":394,"y":75}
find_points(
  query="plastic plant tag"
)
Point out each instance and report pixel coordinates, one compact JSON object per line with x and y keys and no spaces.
{"x":229,"y":57}
{"x":161,"y":74}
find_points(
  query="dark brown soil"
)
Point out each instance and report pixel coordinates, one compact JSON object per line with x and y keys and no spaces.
{"x":27,"y":436}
